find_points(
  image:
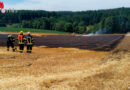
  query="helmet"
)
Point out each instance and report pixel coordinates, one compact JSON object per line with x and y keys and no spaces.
{"x":21,"y":32}
{"x":28,"y":32}
{"x":10,"y":35}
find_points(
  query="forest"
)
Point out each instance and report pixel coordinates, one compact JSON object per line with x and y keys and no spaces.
{"x":95,"y":21}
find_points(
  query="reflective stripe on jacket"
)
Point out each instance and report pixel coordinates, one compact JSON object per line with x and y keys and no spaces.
{"x":21,"y":39}
{"x":29,"y":40}
{"x":10,"y":40}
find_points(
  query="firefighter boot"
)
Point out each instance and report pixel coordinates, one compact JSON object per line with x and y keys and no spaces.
{"x":14,"y":50}
{"x":28,"y":51}
{"x":21,"y":51}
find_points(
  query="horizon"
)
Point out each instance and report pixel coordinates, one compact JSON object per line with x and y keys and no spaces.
{"x":69,"y":11}
{"x":65,"y":5}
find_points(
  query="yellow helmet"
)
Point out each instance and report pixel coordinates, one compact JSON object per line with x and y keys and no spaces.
{"x":21,"y":32}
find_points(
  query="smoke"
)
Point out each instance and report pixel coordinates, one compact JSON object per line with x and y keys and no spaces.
{"x":101,"y":31}
{"x":90,"y":34}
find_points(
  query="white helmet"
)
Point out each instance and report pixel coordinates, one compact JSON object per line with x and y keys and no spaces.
{"x":10,"y":35}
{"x":28,"y":32}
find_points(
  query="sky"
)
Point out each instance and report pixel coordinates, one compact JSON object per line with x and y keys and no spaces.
{"x":65,"y":5}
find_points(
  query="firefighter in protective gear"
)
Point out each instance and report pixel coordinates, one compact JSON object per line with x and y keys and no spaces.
{"x":10,"y":42}
{"x":21,"y":41}
{"x":29,"y":42}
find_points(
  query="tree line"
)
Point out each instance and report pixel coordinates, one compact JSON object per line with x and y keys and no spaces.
{"x":98,"y":21}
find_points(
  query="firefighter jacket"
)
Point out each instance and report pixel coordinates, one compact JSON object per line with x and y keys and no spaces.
{"x":21,"y":39}
{"x":29,"y":40}
{"x":10,"y":39}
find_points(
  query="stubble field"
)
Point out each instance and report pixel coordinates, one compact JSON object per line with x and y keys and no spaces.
{"x":85,"y":64}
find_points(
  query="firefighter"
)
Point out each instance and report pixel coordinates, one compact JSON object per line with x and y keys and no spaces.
{"x":29,"y":42}
{"x":21,"y":41}
{"x":10,"y":42}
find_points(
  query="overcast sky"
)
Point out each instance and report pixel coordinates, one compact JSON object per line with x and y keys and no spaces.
{"x":65,"y":5}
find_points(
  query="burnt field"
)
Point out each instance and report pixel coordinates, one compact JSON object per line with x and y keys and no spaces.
{"x":97,"y":42}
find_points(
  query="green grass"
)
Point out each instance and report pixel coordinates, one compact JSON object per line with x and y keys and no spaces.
{"x":10,"y":29}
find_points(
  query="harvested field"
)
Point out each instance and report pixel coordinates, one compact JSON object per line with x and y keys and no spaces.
{"x":70,"y":68}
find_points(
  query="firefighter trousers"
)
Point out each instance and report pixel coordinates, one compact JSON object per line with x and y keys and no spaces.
{"x":10,"y":44}
{"x":21,"y":47}
{"x":29,"y":48}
